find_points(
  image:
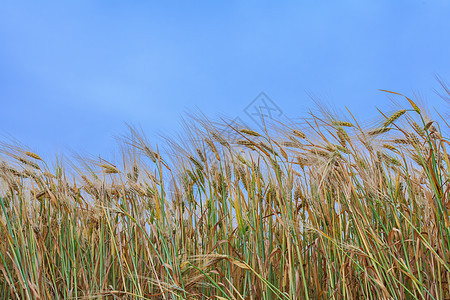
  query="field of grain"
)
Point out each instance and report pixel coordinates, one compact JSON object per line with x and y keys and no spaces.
{"x":332,"y":209}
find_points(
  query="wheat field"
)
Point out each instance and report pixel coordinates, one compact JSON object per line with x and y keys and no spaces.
{"x":332,"y":209}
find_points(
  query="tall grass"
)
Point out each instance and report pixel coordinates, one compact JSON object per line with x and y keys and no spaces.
{"x":327,"y":211}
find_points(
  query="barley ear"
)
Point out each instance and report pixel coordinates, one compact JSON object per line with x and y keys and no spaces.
{"x":33,"y":155}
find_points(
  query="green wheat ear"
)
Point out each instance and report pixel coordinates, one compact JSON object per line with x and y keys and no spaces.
{"x":394,"y":117}
{"x":250,"y":132}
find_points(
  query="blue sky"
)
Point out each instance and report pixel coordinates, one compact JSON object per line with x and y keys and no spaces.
{"x":72,"y":73}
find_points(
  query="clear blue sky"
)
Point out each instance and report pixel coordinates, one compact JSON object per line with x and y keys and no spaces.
{"x":71,"y":73}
